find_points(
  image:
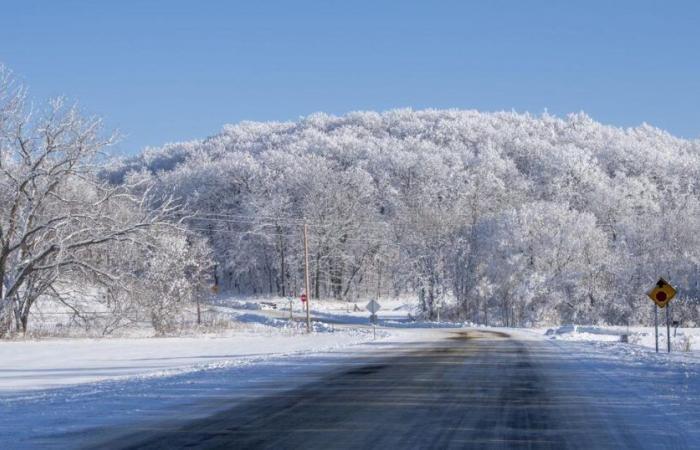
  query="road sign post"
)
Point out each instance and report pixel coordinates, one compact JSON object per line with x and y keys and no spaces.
{"x":668,"y":331}
{"x":656,"y":326}
{"x":373,"y":306}
{"x":661,"y":295}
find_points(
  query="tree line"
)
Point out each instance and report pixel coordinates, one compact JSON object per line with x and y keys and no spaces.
{"x":500,"y":218}
{"x":506,"y":218}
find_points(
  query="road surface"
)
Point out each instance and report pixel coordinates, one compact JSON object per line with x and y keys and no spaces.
{"x":472,"y":389}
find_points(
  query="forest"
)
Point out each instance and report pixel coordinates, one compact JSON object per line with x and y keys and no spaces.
{"x":498,"y":218}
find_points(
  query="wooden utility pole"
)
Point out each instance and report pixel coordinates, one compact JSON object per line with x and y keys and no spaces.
{"x":306,"y":278}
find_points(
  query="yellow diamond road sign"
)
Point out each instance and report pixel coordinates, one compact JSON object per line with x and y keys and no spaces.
{"x":662,"y":293}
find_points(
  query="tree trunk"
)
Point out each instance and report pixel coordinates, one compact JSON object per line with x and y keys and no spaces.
{"x":283,"y":269}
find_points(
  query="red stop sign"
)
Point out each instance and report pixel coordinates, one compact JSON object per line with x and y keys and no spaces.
{"x":303,"y":297}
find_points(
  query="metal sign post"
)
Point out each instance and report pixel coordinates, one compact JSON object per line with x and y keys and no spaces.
{"x":668,"y":330}
{"x":661,"y":295}
{"x":373,"y":306}
{"x":656,"y":326}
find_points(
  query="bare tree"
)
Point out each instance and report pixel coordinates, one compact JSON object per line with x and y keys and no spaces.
{"x":58,"y":218}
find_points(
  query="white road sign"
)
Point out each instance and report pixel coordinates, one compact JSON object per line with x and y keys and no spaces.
{"x":373,"y":306}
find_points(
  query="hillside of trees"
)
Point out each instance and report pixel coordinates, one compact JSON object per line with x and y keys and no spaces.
{"x":512,"y":219}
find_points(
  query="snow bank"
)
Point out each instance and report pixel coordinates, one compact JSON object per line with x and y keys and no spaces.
{"x":685,"y":340}
{"x":30,"y":365}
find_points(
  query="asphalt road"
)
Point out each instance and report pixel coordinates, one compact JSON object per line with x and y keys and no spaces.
{"x":474,"y":389}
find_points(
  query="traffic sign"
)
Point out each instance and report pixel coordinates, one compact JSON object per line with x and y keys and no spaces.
{"x":662,"y":293}
{"x":303,"y":297}
{"x":373,"y":306}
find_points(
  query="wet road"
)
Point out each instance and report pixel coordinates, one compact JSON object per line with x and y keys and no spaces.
{"x":474,"y":389}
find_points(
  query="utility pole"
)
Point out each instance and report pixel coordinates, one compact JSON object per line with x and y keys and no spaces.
{"x":306,"y":278}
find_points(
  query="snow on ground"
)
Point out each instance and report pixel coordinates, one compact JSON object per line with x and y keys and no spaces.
{"x":685,"y":340}
{"x":391,"y":308}
{"x":262,"y":333}
{"x":394,"y":312}
{"x":30,"y":365}
{"x":52,"y":417}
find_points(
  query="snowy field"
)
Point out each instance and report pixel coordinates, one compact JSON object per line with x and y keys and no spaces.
{"x":46,"y":364}
{"x":262,"y":331}
{"x":639,"y":339}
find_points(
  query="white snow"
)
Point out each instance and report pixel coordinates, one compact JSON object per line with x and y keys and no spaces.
{"x":263,"y":333}
{"x":52,"y":363}
{"x":684,"y":340}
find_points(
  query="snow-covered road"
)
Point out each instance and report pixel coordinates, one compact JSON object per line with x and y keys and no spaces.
{"x":422,"y":388}
{"x":63,"y":417}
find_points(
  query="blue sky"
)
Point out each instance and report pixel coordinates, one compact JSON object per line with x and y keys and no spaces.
{"x":163,"y":71}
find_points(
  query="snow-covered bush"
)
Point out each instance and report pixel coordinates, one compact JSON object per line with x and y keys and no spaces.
{"x":683,"y":343}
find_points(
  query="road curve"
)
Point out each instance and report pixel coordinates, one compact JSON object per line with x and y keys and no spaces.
{"x":475,"y":389}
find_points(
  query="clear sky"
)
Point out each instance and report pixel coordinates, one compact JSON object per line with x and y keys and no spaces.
{"x":161,"y":71}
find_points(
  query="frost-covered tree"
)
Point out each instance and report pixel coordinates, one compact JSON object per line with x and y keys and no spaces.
{"x":59,"y":221}
{"x":514,"y":218}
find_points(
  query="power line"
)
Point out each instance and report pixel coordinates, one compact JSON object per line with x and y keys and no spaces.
{"x":288,"y":235}
{"x":277,"y":221}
